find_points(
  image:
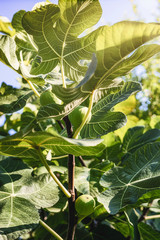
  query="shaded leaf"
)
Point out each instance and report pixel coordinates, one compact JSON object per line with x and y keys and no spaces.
{"x":20,"y":195}
{"x":99,"y":126}
{"x":103,"y":120}
{"x":25,"y":146}
{"x":140,"y":175}
{"x":104,"y":231}
{"x":148,"y":197}
{"x":135,"y":138}
{"x":87,"y":181}
{"x":13,"y":99}
{"x":71,"y":97}
{"x":18,"y":216}
{"x":147,"y":232}
{"x":53,"y":221}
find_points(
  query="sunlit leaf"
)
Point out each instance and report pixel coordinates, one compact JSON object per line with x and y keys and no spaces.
{"x":20,"y":146}
{"x":62,"y":24}
{"x":24,"y":42}
{"x":113,"y":46}
{"x":6,"y":27}
{"x":8,"y":52}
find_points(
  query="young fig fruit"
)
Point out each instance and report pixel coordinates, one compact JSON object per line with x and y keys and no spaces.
{"x":77,"y":116}
{"x":85,"y":205}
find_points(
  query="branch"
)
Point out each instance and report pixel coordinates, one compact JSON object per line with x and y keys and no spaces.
{"x":145,"y":212}
{"x":60,"y":124}
{"x":68,"y":126}
{"x":72,"y":219}
{"x":82,"y":161}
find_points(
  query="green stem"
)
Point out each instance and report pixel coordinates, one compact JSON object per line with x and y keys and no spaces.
{"x":50,"y":230}
{"x":32,"y":87}
{"x":152,"y":217}
{"x":43,"y":160}
{"x":86,"y":116}
{"x":129,"y":224}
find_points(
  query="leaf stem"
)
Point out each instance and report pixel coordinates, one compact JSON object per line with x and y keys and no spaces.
{"x":32,"y":87}
{"x":62,"y":73}
{"x":43,"y":224}
{"x":82,"y":161}
{"x":86,"y":116}
{"x":152,"y":217}
{"x":43,"y":160}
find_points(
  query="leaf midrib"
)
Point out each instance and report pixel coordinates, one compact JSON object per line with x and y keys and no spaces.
{"x":121,"y":203}
{"x":113,"y":69}
{"x":65,"y":37}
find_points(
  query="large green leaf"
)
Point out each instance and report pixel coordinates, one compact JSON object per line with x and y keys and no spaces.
{"x":135,"y":138}
{"x":71,"y":97}
{"x":103,"y":120}
{"x":87,"y":181}
{"x":26,"y":49}
{"x":18,"y":216}
{"x":18,"y":52}
{"x":55,"y":30}
{"x":20,"y":195}
{"x":115,"y":43}
{"x":148,"y":197}
{"x":147,"y":232}
{"x":25,"y":146}
{"x":12,"y":99}
{"x":140,"y":175}
{"x":101,"y":125}
{"x":24,"y":42}
{"x":8,"y":52}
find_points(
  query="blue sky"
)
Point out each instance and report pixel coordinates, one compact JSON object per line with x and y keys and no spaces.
{"x":113,"y":11}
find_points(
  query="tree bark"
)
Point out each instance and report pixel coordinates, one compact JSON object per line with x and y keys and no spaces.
{"x":72,"y":219}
